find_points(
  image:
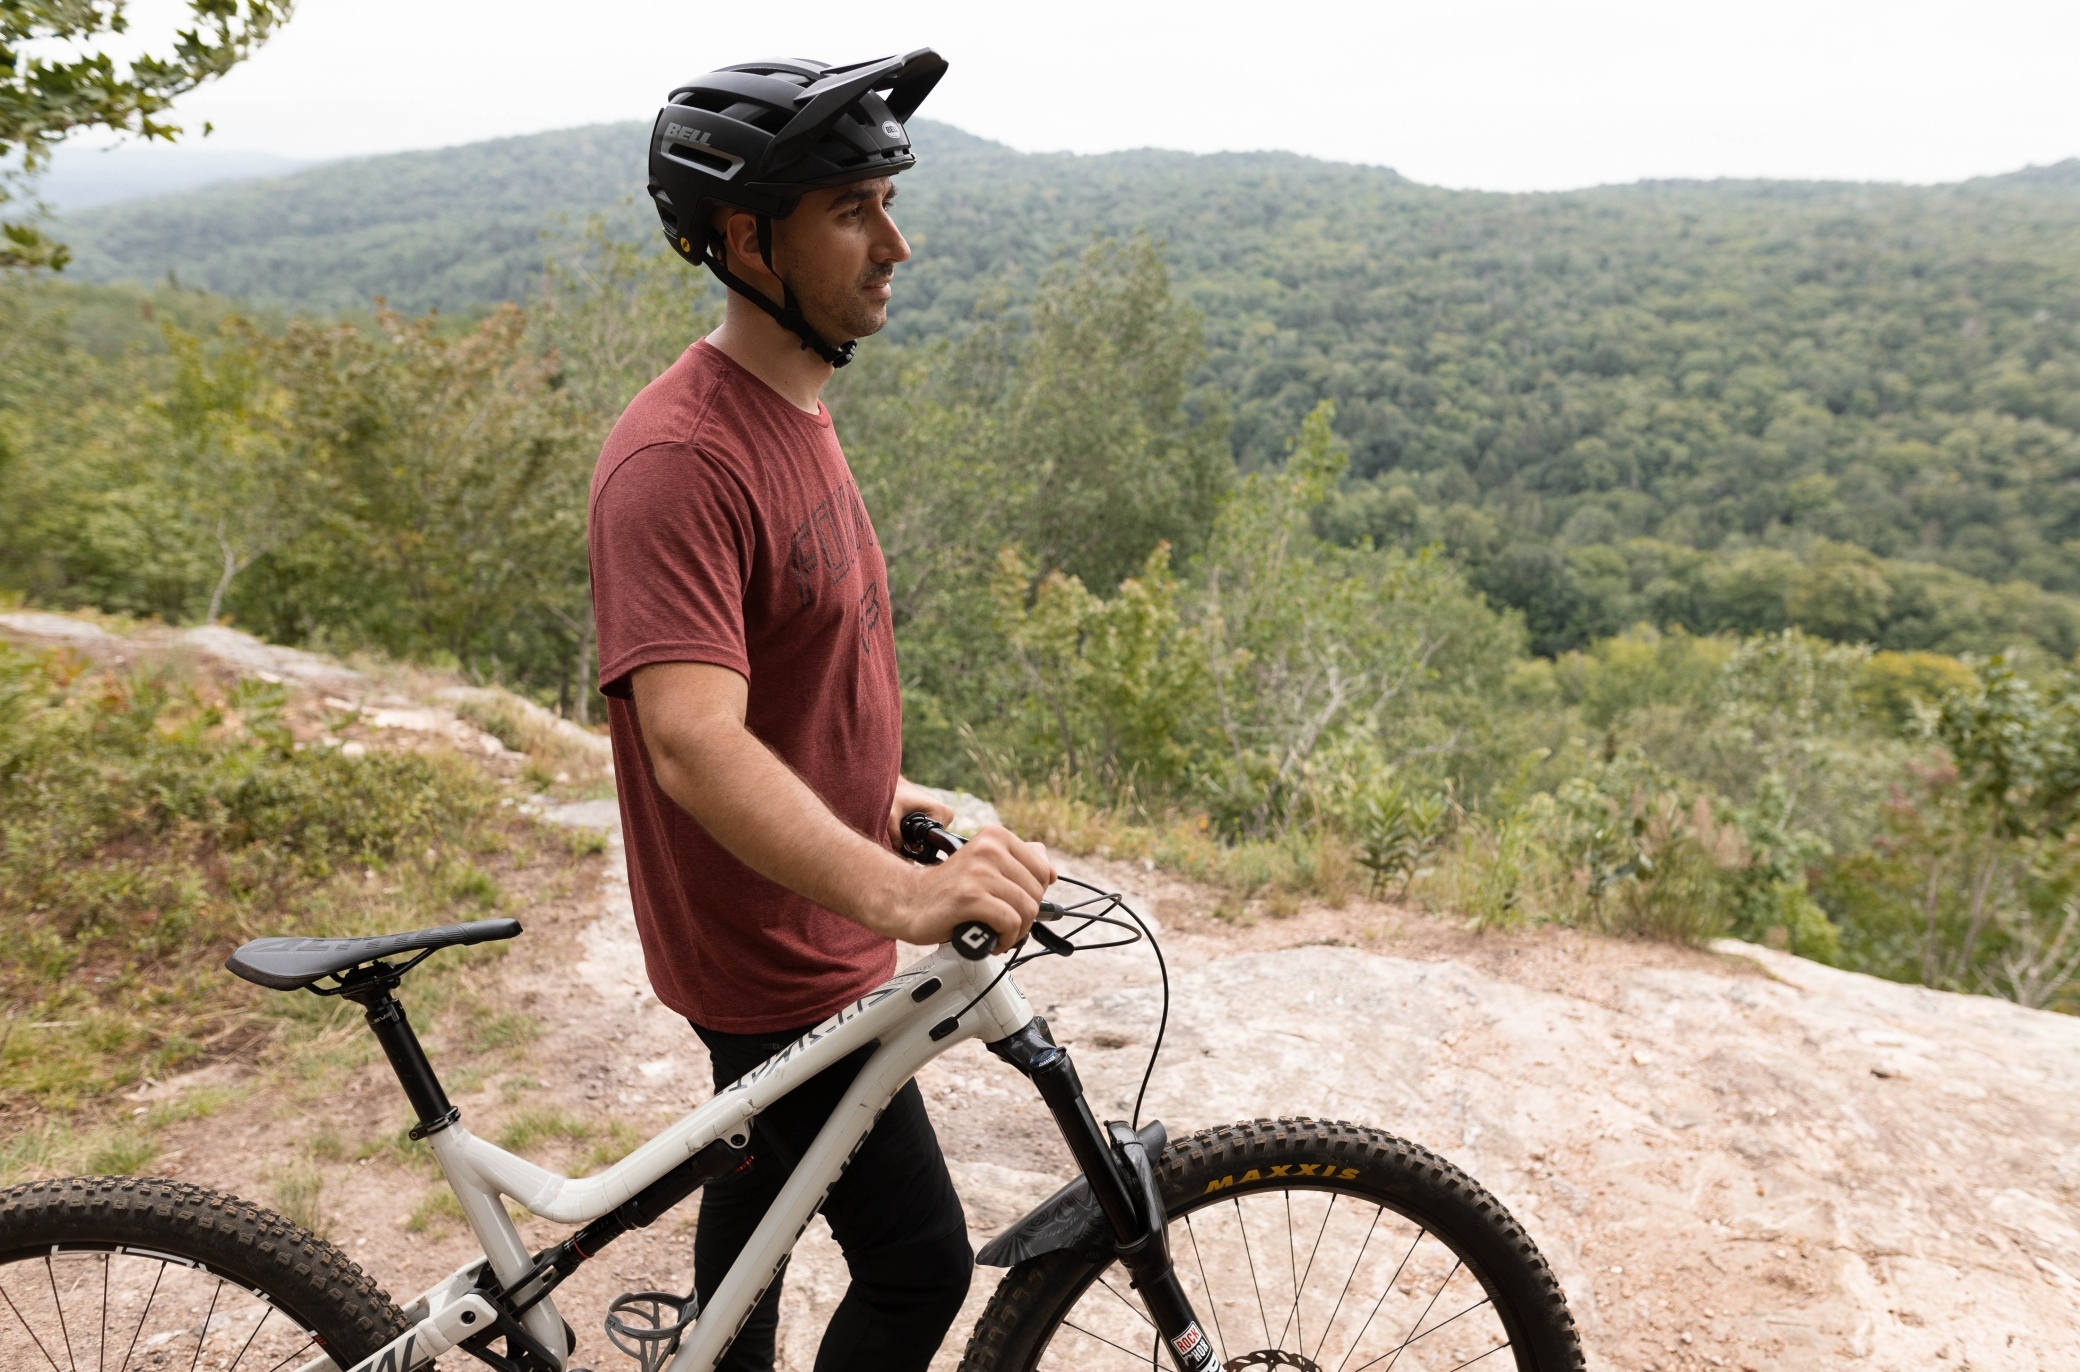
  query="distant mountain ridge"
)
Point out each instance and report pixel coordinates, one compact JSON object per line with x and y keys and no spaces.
{"x":80,"y":177}
{"x":1568,"y":389}
{"x":460,"y":227}
{"x":447,"y":228}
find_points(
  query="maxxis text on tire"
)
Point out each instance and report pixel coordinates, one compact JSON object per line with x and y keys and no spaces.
{"x":1367,"y":1165}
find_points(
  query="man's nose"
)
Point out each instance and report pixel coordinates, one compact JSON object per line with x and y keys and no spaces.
{"x":890,"y":246}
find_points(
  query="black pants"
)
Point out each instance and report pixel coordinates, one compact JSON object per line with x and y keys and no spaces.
{"x":893,"y":1212}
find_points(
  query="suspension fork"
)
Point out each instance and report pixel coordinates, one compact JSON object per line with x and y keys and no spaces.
{"x":1121,"y":1175}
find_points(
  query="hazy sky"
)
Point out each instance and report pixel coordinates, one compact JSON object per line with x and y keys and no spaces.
{"x":1500,"y":94}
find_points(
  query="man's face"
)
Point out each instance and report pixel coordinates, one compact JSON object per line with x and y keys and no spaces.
{"x":839,"y":251}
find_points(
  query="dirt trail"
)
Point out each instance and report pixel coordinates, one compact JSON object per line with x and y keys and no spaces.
{"x":1732,"y":1158}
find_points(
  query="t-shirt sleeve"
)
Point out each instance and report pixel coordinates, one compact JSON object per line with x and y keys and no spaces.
{"x":672,"y":541}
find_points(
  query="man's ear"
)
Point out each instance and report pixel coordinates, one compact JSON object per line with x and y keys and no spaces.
{"x":739,"y":229}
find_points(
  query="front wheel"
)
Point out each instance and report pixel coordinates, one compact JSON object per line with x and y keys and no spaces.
{"x":1326,"y":1247}
{"x":143,"y":1273}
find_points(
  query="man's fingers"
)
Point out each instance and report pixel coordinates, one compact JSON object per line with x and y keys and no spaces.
{"x":1005,"y":919}
{"x":1019,"y":858}
{"x":1000,"y":886}
{"x":995,"y":849}
{"x":1034,"y":856}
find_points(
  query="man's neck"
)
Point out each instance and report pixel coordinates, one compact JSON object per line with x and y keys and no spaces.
{"x":755,"y":341}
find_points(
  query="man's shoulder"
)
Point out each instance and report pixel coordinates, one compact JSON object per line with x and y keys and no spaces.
{"x":678,"y":407}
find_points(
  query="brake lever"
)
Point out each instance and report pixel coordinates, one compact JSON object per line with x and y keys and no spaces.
{"x":1051,"y":941}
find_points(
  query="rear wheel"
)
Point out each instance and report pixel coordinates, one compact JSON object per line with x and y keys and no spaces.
{"x":115,"y":1273}
{"x":1327,"y":1247}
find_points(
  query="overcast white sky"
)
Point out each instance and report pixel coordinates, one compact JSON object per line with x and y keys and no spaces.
{"x":1497,"y":94}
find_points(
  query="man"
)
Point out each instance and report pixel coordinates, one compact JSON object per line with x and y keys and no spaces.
{"x":749,"y":664}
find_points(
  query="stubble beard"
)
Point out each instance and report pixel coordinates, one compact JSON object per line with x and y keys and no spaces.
{"x":851,"y":311}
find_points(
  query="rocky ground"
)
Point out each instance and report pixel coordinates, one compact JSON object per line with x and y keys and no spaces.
{"x":1733,"y":1158}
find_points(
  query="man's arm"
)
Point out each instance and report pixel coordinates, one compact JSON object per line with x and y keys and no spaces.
{"x":692,"y":717}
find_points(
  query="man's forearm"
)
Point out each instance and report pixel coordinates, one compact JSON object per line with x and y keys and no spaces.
{"x":751,"y":803}
{"x":692,"y":718}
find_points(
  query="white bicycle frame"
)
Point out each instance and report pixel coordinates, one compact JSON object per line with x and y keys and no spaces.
{"x":909,"y":1019}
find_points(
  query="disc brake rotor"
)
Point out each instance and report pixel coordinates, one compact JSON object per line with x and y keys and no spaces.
{"x":1270,"y":1357}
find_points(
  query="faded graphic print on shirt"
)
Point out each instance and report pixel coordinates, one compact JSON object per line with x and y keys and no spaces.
{"x":827,"y":543}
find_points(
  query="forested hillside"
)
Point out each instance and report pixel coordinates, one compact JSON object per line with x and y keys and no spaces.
{"x":454,"y":229}
{"x":1860,"y":401}
{"x":1338,"y":532}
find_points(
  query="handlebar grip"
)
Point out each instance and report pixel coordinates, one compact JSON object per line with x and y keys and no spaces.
{"x":974,"y":940}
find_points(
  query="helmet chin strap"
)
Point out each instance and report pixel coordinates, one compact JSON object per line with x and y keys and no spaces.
{"x":787,"y":313}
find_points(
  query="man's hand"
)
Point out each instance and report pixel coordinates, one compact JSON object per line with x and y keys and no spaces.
{"x":911,"y":798}
{"x":996,"y":878}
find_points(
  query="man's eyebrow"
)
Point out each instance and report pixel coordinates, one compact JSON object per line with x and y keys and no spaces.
{"x":856,"y":194}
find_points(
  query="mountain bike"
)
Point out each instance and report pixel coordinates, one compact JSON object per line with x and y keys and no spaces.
{"x":1287,"y":1243}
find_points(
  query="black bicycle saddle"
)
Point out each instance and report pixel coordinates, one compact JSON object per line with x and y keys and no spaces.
{"x":291,"y":964}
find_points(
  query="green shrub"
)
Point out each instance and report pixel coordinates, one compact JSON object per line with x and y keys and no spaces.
{"x":148,"y":825}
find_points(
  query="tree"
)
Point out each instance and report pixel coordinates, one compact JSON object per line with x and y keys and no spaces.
{"x":453,"y":473}
{"x":1308,"y":647}
{"x":42,"y":99}
{"x":237,"y":483}
{"x":612,"y":315}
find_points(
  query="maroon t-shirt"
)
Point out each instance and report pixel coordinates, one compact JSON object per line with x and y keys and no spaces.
{"x":726,"y":528}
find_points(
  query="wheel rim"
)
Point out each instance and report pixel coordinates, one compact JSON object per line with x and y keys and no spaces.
{"x":117,"y":1308}
{"x":1322,"y":1281}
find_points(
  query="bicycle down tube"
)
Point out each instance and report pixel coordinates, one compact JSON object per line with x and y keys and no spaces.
{"x":922,"y":1012}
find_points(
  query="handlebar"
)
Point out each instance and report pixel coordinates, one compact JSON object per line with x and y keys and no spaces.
{"x":928,"y":841}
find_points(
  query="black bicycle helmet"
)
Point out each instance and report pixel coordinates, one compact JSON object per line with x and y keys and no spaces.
{"x":757,"y":135}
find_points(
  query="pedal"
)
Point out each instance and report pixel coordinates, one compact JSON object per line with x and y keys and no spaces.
{"x":647,"y":1325}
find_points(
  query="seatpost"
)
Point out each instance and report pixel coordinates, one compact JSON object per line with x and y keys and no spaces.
{"x":385,"y":1014}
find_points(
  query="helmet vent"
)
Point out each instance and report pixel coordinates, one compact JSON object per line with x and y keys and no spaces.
{"x":720,"y":164}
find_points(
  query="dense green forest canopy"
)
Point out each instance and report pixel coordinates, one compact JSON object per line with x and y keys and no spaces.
{"x":1224,"y":545}
{"x":1859,"y":403}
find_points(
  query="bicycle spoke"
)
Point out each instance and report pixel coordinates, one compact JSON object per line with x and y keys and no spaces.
{"x":101,"y":1354}
{"x":1476,"y":1358}
{"x":1213,"y":1304}
{"x":1127,"y":1303}
{"x":58,"y":1304}
{"x":1356,"y":1263}
{"x":1410,"y":1297}
{"x":1292,"y":1270}
{"x":308,"y":1345}
{"x":1079,"y":1329}
{"x":1244,"y":1227}
{"x":1412,"y":1336}
{"x":32,"y":1333}
{"x":1385,"y":1291}
{"x":1293,"y":1318}
{"x":264,"y":1314}
{"x":1396,"y":1350}
{"x":207,"y":1315}
{"x":142,"y":1315}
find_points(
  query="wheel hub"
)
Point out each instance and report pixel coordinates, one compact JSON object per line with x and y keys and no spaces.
{"x":1271,"y":1357}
